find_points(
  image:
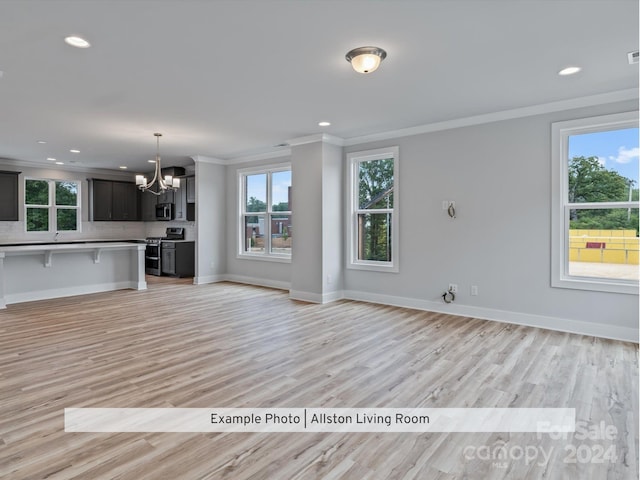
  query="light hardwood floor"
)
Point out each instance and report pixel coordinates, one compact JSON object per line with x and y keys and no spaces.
{"x":229,"y":345}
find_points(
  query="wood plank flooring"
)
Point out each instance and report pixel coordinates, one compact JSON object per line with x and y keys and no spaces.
{"x":229,"y":345}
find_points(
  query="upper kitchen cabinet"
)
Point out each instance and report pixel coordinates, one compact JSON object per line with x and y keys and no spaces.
{"x":114,"y":201}
{"x":9,"y":196}
{"x":149,"y":201}
{"x":191,"y":189}
{"x":166,"y":197}
{"x":185,"y":200}
{"x":126,"y":202}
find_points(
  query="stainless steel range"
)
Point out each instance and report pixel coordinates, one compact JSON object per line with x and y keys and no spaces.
{"x":153,"y":252}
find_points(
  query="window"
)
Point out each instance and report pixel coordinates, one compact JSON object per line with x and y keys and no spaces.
{"x":595,"y":203}
{"x":265,"y":213}
{"x":51,"y":205}
{"x":373,"y":217}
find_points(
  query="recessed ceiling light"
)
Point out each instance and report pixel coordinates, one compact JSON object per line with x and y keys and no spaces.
{"x":569,"y":71}
{"x":324,"y":124}
{"x":59,"y":163}
{"x":76,"y":41}
{"x":73,"y":150}
{"x":51,"y":159}
{"x":41,"y":142}
{"x":122,"y":167}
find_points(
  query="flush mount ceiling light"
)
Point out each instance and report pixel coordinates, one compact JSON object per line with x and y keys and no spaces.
{"x":77,"y":42}
{"x":569,"y":71}
{"x":365,"y":59}
{"x":164,"y":184}
{"x":324,"y":124}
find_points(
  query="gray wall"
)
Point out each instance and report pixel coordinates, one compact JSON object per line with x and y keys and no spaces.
{"x":274,"y":274}
{"x":499,"y":174}
{"x":211,"y":224}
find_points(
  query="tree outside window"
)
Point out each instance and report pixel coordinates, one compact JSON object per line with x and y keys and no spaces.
{"x":595,"y":217}
{"x":51,"y":205}
{"x":373,"y":224}
{"x":266,"y":230}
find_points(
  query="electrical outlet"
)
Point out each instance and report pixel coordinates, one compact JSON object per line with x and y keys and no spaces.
{"x":329,"y":279}
{"x":453,"y":287}
{"x":474,"y":290}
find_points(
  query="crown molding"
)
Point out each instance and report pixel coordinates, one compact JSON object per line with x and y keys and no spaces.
{"x":204,"y":159}
{"x":590,"y":101}
{"x":283,"y":152}
{"x":317,"y":137}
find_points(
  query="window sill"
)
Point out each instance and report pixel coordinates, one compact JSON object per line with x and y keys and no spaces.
{"x":628,"y":287}
{"x":264,"y":258}
{"x":374,"y":267}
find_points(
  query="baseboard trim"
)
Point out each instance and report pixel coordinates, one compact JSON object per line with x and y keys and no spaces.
{"x":203,"y":280}
{"x":315,"y":297}
{"x":538,"y":321}
{"x":261,"y":282}
{"x":69,"y":291}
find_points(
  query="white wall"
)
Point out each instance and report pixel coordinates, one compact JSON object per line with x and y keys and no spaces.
{"x":499,"y":174}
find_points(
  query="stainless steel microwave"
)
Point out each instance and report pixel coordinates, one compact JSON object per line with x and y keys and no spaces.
{"x":164,"y":211}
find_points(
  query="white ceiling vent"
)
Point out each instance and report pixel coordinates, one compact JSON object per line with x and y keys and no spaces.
{"x":633,"y":57}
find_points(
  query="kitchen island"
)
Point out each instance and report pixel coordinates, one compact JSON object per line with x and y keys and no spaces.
{"x":37,"y":271}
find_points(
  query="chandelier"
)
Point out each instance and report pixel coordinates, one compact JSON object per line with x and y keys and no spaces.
{"x":167,"y":183}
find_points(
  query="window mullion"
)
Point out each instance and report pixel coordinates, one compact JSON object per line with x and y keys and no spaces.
{"x":53,"y":213}
{"x":267,"y":219}
{"x":602,"y":205}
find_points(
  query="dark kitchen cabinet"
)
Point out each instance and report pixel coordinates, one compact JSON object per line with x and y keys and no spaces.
{"x":184,"y":206}
{"x":180,"y":203}
{"x":191,"y":189}
{"x":178,"y":258}
{"x":166,"y":197}
{"x":114,"y":201}
{"x":126,"y":202}
{"x":168,"y":261}
{"x":102,"y":200}
{"x":9,"y":196}
{"x":149,"y":201}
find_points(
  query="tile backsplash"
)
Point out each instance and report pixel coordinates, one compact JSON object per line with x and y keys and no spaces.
{"x":11,"y":232}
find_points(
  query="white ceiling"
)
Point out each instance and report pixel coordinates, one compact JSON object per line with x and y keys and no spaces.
{"x":227,"y":79}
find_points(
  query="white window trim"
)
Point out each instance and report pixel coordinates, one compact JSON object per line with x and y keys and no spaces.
{"x":52,"y":207}
{"x":267,"y":256}
{"x":353,"y":160}
{"x":560,"y":133}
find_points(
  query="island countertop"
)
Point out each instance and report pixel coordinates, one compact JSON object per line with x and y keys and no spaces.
{"x":69,"y":242}
{"x":112,"y":265}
